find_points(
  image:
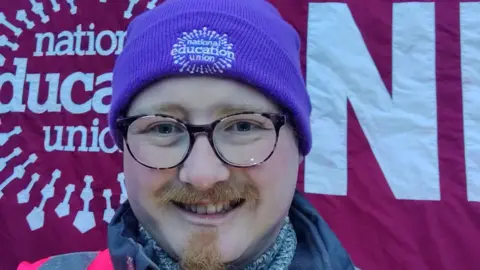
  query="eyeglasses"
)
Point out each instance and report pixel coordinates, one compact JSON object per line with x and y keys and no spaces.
{"x":162,"y":142}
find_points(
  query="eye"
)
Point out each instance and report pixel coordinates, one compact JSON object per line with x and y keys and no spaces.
{"x":164,"y":129}
{"x":242,"y":126}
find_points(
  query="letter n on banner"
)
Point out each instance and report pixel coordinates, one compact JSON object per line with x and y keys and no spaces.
{"x":470,"y":47}
{"x":402,"y":128}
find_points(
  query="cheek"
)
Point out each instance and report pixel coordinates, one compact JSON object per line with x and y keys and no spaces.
{"x":277,"y":178}
{"x":284,"y":162}
{"x":140,"y":181}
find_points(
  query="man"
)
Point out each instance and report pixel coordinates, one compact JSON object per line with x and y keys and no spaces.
{"x":210,"y":109}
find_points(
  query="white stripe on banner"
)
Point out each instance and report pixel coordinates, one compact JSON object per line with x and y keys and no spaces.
{"x":402,"y":129}
{"x":470,"y":47}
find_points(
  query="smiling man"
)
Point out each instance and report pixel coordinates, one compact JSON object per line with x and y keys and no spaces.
{"x":211,"y":111}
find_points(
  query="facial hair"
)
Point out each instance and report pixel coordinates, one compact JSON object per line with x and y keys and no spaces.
{"x":225,"y":191}
{"x":201,"y":251}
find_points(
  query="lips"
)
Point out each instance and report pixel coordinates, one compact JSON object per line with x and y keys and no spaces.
{"x":210,"y":209}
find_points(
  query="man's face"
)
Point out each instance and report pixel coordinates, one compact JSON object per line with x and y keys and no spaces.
{"x":235,"y":232}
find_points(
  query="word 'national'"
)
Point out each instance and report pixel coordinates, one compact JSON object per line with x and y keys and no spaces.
{"x":104,"y":43}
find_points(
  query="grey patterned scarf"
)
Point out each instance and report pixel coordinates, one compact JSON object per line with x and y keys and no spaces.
{"x":277,"y":257}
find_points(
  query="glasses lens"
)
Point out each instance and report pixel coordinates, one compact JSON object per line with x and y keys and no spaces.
{"x":158,"y":142}
{"x":245,"y":139}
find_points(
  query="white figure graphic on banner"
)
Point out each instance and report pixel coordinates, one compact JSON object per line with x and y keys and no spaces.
{"x":36,"y":218}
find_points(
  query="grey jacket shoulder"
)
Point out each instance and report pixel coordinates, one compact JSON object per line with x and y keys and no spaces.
{"x":318,"y":247}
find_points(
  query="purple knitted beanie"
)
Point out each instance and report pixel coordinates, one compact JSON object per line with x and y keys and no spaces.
{"x":245,"y":40}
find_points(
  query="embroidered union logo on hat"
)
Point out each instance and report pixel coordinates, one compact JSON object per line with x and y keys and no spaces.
{"x":203,"y":51}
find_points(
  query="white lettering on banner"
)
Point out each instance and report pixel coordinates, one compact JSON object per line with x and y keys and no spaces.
{"x":401,"y":129}
{"x":51,"y":105}
{"x":97,"y":104}
{"x":105,"y":43}
{"x":71,"y":136}
{"x":18,"y":79}
{"x":77,"y":93}
{"x":470,"y":48}
{"x":98,"y":139}
{"x":66,"y":92}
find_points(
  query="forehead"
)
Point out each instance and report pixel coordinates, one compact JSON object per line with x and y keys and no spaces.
{"x":200,"y":95}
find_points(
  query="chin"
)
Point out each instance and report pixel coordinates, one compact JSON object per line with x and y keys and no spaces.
{"x":237,"y":242}
{"x":230,"y":253}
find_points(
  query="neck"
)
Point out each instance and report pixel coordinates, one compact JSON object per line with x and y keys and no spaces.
{"x":259,"y":247}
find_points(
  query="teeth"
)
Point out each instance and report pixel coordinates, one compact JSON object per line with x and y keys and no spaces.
{"x":208,"y":209}
{"x":211,"y":209}
{"x":201,"y":209}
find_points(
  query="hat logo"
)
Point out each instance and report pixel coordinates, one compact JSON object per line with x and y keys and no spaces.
{"x":203,"y":51}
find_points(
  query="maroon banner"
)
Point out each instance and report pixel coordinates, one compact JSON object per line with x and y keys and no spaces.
{"x":395,"y":88}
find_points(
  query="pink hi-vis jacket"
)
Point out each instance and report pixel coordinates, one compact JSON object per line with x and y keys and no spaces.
{"x":80,"y":260}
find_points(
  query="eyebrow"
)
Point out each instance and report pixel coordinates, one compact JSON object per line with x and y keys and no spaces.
{"x":218,"y":109}
{"x":226,"y":109}
{"x":169,"y":108}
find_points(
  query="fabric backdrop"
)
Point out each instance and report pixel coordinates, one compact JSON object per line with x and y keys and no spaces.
{"x":396,"y":95}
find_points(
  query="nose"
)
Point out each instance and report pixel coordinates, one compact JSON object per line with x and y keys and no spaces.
{"x":202,"y":168}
